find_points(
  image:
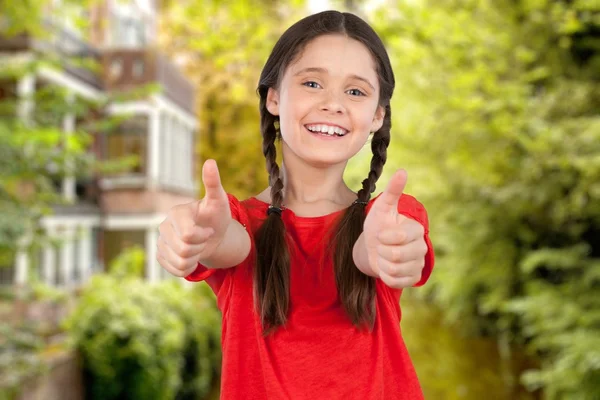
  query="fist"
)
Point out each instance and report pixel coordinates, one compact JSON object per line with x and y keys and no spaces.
{"x":191,"y":232}
{"x":395,"y":244}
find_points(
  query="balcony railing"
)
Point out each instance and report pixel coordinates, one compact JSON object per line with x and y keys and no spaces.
{"x":125,"y":69}
{"x":65,"y":46}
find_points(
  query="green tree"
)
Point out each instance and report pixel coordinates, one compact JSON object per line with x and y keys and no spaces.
{"x":496,"y":118}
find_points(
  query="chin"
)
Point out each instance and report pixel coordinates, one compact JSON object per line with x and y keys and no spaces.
{"x":325,"y":161}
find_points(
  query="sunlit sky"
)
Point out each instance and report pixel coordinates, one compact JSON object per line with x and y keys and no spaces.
{"x":316,"y":6}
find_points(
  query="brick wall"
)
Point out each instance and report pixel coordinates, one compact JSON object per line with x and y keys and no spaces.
{"x":140,"y":201}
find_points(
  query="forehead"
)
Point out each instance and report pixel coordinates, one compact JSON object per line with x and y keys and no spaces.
{"x":339,"y":55}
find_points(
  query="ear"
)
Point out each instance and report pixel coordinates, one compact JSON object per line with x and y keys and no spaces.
{"x":378,"y":119}
{"x":273,"y":101}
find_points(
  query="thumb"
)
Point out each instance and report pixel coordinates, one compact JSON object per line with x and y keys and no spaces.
{"x":388,"y":201}
{"x":212,"y":180}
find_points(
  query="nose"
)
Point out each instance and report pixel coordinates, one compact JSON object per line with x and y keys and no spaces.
{"x":332,"y":103}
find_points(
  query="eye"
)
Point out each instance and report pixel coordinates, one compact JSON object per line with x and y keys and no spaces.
{"x":355,"y":92}
{"x":312,"y":84}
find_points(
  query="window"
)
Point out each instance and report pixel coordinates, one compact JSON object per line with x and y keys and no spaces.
{"x":116,"y":68}
{"x":75,"y":253}
{"x":131,"y":138}
{"x":138,"y":68}
{"x":116,"y":242}
{"x":127,"y":31}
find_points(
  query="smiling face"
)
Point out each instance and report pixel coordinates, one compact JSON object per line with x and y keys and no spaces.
{"x":327,"y":101}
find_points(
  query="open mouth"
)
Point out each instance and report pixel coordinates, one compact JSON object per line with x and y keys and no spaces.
{"x":326,"y":130}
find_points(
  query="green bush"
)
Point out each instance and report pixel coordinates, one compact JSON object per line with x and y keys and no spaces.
{"x":202,"y":334}
{"x":143,"y":341}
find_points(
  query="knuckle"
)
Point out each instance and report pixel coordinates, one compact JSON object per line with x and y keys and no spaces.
{"x":396,"y":255}
{"x":392,"y":270}
{"x":186,"y":250}
{"x":180,"y":264}
{"x":182,"y":250}
{"x":187,"y":234}
{"x":401,"y":236}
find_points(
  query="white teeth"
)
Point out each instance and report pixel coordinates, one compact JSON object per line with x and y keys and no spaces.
{"x":326,"y":129}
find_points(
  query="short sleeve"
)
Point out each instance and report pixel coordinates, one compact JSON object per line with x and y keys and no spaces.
{"x":213,"y":276}
{"x":412,"y":208}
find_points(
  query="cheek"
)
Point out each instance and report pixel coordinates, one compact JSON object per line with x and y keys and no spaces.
{"x":363,"y":119}
{"x":292,"y":112}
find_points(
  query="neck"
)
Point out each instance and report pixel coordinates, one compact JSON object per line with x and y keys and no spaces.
{"x":310,"y":184}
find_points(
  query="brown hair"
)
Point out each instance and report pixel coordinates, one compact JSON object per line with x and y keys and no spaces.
{"x":272,"y":272}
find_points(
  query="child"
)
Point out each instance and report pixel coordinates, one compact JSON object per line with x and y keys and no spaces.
{"x":308,"y":274}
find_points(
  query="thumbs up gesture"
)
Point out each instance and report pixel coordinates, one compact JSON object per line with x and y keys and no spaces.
{"x":191,"y":232}
{"x":395,"y":244}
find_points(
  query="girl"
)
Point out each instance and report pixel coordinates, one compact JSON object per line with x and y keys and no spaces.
{"x":308,"y":274}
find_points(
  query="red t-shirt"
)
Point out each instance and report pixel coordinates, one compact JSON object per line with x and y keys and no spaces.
{"x":319,"y":354}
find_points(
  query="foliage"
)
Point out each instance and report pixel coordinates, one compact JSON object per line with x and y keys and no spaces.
{"x":33,"y":156}
{"x":202,"y":346}
{"x":128,"y":264}
{"x":143,"y":341}
{"x":19,"y":357}
{"x":496,"y":118}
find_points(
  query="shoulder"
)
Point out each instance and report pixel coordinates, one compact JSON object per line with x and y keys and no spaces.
{"x":250,"y":208}
{"x":252,"y":201}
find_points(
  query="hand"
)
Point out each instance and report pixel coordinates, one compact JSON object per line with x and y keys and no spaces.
{"x":395,"y":244}
{"x":191,"y":232}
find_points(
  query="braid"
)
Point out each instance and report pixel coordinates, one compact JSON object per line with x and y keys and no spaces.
{"x":357,"y":290}
{"x":379,"y":145}
{"x":272,"y":272}
{"x":270,"y":152}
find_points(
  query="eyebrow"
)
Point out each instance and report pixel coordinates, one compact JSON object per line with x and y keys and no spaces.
{"x":324,"y":71}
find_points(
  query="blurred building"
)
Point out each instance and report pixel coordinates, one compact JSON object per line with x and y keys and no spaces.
{"x":109,"y":213}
